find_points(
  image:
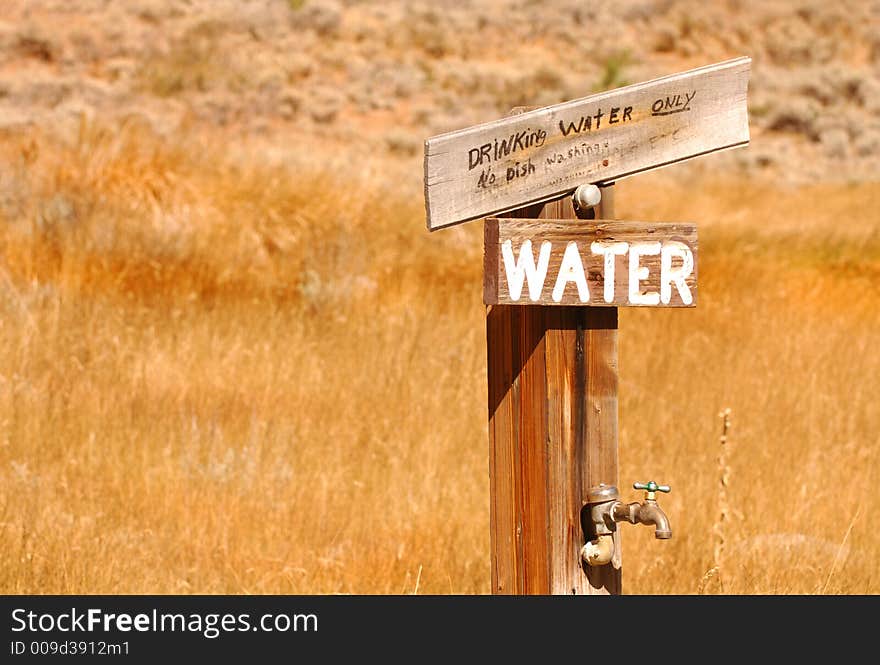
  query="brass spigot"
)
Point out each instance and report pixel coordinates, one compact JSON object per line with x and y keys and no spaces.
{"x":606,"y":510}
{"x":648,"y":512}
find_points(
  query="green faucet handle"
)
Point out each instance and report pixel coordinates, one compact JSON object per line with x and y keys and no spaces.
{"x":651,"y":487}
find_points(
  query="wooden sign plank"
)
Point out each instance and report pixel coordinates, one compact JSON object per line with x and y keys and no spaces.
{"x":532,"y":157}
{"x":597,"y":263}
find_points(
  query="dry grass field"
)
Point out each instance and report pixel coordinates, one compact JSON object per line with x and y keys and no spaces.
{"x":230,"y":367}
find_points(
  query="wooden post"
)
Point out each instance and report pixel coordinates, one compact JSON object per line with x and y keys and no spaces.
{"x":552,"y":374}
{"x":552,"y":367}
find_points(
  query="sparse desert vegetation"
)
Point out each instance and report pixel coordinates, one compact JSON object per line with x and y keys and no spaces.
{"x":233,"y":360}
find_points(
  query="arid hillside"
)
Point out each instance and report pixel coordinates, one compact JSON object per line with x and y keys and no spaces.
{"x":384,"y":75}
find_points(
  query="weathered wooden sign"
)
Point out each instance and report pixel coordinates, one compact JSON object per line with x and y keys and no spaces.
{"x":577,"y":262}
{"x":498,"y":166}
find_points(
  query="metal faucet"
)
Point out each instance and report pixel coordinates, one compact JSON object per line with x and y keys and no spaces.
{"x":606,"y":510}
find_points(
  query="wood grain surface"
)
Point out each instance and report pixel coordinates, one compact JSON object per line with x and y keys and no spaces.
{"x":552,"y":392}
{"x":535,"y":156}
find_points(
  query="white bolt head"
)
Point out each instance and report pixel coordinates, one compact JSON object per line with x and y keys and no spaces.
{"x":587,"y":196}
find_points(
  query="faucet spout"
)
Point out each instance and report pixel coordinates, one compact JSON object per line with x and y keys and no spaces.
{"x":651,"y":513}
{"x":643,"y":513}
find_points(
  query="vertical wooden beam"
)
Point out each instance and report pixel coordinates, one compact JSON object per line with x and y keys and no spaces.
{"x":552,"y":374}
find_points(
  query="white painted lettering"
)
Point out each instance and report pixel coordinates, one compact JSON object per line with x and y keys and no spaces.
{"x":571,"y":270}
{"x":639,"y":273}
{"x":677,"y":276}
{"x":523,"y":268}
{"x":609,"y":250}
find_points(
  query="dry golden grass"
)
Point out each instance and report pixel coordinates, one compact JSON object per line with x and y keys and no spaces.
{"x":218,"y":375}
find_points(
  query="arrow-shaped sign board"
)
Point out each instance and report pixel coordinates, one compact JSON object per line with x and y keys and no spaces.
{"x":532,"y":157}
